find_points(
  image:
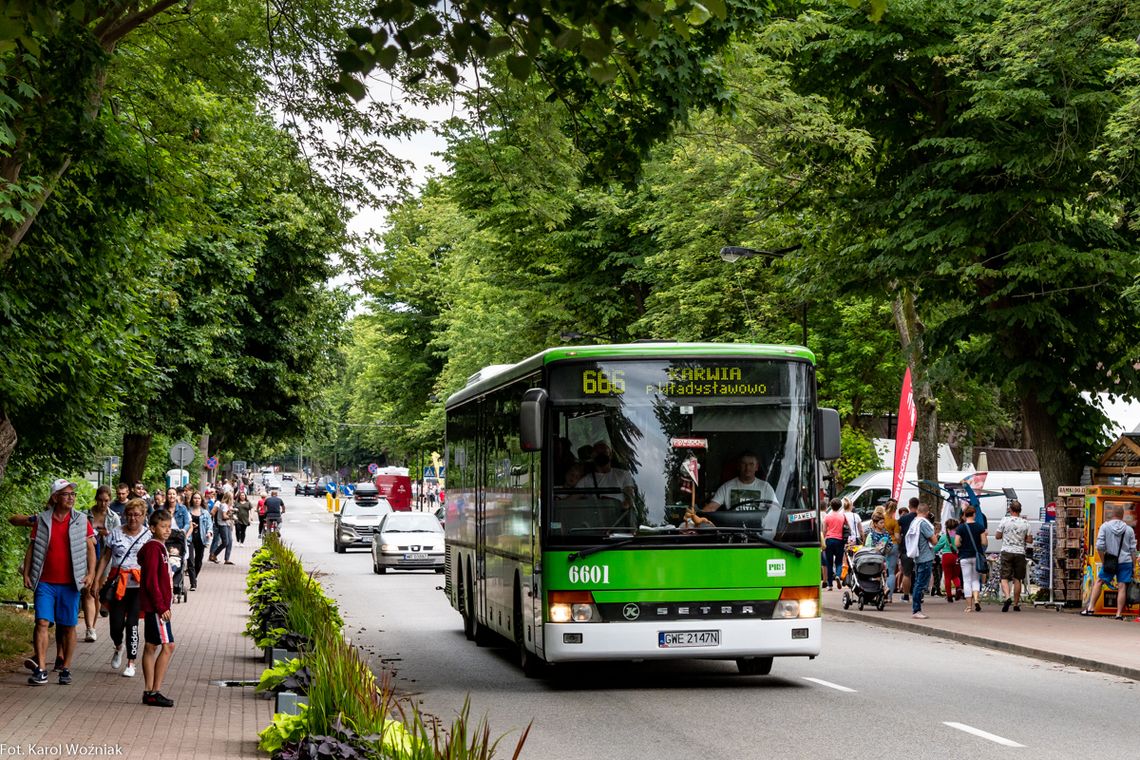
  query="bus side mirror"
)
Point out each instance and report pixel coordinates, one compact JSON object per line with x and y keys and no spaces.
{"x":827,"y":434}
{"x":531,"y":419}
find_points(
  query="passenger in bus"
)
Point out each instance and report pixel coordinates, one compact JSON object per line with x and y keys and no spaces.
{"x":606,"y":476}
{"x":746,"y":480}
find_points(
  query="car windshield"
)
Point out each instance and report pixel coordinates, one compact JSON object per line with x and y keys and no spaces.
{"x":349,"y":508}
{"x":412,"y":522}
{"x":640,"y":443}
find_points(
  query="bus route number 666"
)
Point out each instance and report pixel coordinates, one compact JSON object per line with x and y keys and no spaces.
{"x":598,"y":574}
{"x":595,"y":382}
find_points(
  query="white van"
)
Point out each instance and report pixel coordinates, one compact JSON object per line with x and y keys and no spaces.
{"x":872,"y":489}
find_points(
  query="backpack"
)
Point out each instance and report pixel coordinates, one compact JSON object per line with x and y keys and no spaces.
{"x":912,"y":535}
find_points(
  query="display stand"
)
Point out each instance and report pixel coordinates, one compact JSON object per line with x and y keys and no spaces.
{"x":1043,"y":562}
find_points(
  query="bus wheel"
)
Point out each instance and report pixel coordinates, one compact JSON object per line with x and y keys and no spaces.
{"x":532,"y":666}
{"x":754,"y":666}
{"x":466,"y":609}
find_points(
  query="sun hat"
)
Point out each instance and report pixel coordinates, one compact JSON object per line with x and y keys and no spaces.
{"x":59,"y":485}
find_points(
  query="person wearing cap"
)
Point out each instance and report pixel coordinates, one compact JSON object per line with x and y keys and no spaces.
{"x":58,"y":565}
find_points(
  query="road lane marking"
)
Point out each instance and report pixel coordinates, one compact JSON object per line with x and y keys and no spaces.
{"x":829,"y":684}
{"x":983,"y":734}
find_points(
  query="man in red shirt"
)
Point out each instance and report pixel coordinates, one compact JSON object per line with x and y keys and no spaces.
{"x":59,"y":563}
{"x":155,"y":596}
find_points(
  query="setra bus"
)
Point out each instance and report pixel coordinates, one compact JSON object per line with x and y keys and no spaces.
{"x":578,"y":480}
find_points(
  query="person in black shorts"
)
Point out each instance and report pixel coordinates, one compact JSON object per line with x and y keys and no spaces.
{"x":274,"y":508}
{"x":155,"y":596}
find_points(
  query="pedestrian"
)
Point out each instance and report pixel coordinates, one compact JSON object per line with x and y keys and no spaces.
{"x":891,"y":526}
{"x":158,"y":501}
{"x":223,"y":517}
{"x":261,"y":514}
{"x":242,"y":509}
{"x":121,"y":558}
{"x":58,"y":565}
{"x":970,"y":540}
{"x":920,"y":548}
{"x":104,"y":521}
{"x":1116,"y":543}
{"x":201,"y":535}
{"x":274,"y":510}
{"x":936,"y":568}
{"x":906,"y":579}
{"x":833,"y":524}
{"x":155,"y":598}
{"x":948,"y":557}
{"x":123,"y":494}
{"x":1013,"y":530}
{"x":138,"y":491}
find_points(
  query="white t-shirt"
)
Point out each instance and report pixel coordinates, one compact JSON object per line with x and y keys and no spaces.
{"x":1013,"y":533}
{"x":125,"y":551}
{"x":724,"y":493}
{"x":614,"y":479}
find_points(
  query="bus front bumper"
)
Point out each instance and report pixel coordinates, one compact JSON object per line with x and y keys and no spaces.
{"x":567,"y":642}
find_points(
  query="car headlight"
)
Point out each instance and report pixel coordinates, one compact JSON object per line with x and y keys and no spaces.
{"x":388,"y":547}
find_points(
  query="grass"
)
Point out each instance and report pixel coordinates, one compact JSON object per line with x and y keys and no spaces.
{"x":15,"y":635}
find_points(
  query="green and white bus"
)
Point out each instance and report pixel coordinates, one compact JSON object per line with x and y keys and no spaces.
{"x":574,"y":478}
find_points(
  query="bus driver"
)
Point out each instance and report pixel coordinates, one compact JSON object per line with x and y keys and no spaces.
{"x":730,"y":492}
{"x":606,"y":476}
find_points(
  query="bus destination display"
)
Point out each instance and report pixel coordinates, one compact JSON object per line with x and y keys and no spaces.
{"x":653,"y":379}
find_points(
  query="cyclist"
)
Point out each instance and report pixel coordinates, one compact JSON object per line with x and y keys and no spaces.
{"x":274,"y":508}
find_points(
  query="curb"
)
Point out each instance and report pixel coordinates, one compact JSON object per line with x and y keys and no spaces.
{"x":980,"y":641}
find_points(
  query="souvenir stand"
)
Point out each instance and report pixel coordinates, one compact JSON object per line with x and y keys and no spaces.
{"x":1059,"y":549}
{"x":1096,"y":499}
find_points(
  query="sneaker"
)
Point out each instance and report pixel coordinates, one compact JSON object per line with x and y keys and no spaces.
{"x":1005,"y":605}
{"x":919,"y":616}
{"x":117,"y":659}
{"x":157,"y":700}
{"x":38,"y":677}
{"x":977,"y":607}
{"x":64,"y":676}
{"x":147,"y":697}
{"x":949,"y":600}
{"x":31,"y":665}
{"x":906,"y":597}
{"x":129,"y":671}
{"x":1017,"y":608}
{"x":228,"y":562}
{"x":58,"y":664}
{"x":91,"y":635}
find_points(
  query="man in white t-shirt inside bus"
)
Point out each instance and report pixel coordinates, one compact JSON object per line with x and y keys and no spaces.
{"x":744,"y":487}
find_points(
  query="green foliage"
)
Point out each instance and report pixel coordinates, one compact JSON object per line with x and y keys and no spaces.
{"x":859,"y":455}
{"x":273,"y":677}
{"x":284,"y":729}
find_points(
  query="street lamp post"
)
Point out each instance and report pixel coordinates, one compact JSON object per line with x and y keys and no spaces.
{"x":734,"y":253}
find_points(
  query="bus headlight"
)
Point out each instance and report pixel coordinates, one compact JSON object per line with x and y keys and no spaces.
{"x":560,"y":613}
{"x":582,"y":613}
{"x":797,"y":602}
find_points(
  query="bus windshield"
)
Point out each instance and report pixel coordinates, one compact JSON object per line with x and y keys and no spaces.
{"x":638,"y":444}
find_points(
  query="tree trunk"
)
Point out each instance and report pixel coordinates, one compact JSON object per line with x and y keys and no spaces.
{"x":8,"y":440}
{"x":911,"y":331}
{"x":1057,"y":465}
{"x":136,"y":449}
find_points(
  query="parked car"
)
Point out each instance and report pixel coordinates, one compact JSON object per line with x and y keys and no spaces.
{"x":408,"y":541}
{"x":356,"y":523}
{"x":304,"y":489}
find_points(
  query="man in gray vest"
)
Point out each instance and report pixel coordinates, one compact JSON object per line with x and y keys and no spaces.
{"x":59,"y":563}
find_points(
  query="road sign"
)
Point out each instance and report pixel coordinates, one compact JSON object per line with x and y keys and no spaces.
{"x":212,"y":463}
{"x":331,"y":488}
{"x":238,"y":466}
{"x":372,"y":468}
{"x":181,"y":454}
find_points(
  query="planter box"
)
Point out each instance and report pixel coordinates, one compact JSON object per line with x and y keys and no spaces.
{"x":289,"y":702}
{"x":274,"y":655}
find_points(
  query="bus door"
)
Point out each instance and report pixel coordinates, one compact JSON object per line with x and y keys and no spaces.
{"x":483,"y":471}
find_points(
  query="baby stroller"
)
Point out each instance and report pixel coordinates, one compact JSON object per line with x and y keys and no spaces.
{"x":866,"y":580}
{"x":176,"y":550}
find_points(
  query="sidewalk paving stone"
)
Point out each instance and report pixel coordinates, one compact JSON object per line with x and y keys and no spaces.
{"x":1064,"y":637}
{"x":102,"y":708}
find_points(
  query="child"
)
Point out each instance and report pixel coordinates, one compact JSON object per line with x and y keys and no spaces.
{"x":155,"y":595}
{"x":936,"y":570}
{"x":951,"y":573}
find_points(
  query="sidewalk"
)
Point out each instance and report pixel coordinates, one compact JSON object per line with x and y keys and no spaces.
{"x":103,"y":708}
{"x":1100,"y":643}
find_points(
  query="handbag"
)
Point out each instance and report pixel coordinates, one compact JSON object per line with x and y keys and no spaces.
{"x":981,"y":564}
{"x":107,"y":590}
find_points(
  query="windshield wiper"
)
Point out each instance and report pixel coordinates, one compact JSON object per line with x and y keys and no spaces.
{"x":599,"y":548}
{"x":759,"y":536}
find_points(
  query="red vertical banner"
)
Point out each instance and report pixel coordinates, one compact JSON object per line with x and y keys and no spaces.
{"x":904,"y":435}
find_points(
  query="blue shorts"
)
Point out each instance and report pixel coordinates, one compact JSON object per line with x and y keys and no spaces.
{"x":1123,"y":573}
{"x":57,"y":603}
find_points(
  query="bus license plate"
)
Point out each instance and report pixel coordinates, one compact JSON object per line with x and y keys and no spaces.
{"x":673,"y":639}
{"x":415,"y":556}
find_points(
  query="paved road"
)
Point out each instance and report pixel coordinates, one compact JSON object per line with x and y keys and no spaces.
{"x":890,"y":693}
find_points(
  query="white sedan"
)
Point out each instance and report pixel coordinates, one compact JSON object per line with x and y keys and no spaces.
{"x":408,"y":541}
